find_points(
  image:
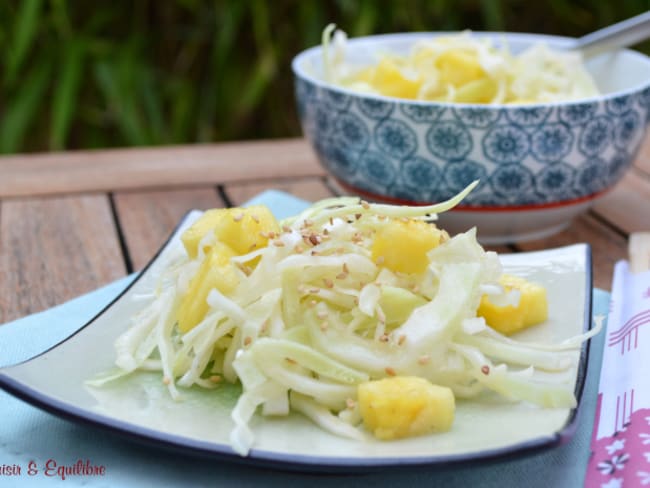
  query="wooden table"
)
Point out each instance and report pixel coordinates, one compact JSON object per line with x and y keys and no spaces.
{"x":71,"y":222}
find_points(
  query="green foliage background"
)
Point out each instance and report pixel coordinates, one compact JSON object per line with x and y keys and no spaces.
{"x":87,"y":74}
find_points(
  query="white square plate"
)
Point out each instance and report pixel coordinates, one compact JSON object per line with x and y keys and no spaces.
{"x":139,"y":406}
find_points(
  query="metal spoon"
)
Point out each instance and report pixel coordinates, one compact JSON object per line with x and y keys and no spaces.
{"x":615,"y":36}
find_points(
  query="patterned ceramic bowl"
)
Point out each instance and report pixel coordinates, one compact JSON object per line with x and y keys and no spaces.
{"x":539,"y":165}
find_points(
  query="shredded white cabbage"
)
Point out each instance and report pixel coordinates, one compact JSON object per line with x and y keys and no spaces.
{"x":308,"y":323}
{"x":461,"y":68}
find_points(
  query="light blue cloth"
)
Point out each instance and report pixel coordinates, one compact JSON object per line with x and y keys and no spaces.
{"x":28,"y":434}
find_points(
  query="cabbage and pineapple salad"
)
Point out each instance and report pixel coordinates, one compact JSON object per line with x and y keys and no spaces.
{"x":366,"y":318}
{"x":462,"y":68}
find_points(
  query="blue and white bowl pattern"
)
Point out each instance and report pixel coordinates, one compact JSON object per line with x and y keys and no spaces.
{"x":523,"y":156}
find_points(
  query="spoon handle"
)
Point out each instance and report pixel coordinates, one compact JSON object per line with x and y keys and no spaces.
{"x":616,"y":36}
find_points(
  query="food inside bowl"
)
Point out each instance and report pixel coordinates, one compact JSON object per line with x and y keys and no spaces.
{"x":462,"y":68}
{"x":366,"y":318}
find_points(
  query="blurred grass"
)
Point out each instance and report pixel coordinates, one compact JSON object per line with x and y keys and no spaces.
{"x":78,"y":74}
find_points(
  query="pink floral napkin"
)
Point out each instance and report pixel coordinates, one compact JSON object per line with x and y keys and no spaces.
{"x":620,"y":445}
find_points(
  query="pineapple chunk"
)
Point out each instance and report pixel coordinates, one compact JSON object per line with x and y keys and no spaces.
{"x":193,"y":235}
{"x":240,"y":229}
{"x":532,"y":308}
{"x":404,"y":406}
{"x":458,"y":67}
{"x":477,"y":91}
{"x":402,"y":246}
{"x":389,"y":80}
{"x":237,"y":231}
{"x":216,"y":271}
{"x":365,"y":75}
{"x":243,"y":228}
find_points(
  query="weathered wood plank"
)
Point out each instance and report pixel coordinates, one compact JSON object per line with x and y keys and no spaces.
{"x":607,"y":246}
{"x":53,"y":249}
{"x":310,"y":189}
{"x":142,"y":168}
{"x":627,"y":205}
{"x":148,"y":218}
{"x":642,"y":161}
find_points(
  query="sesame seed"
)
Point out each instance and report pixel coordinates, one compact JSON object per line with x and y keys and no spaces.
{"x":345,"y":268}
{"x":166,"y":380}
{"x":314,"y":290}
{"x":357,"y":216}
{"x":238,"y":217}
{"x":380,"y":260}
{"x":278,"y":243}
{"x":312,"y":303}
{"x":248,"y":340}
{"x":331,"y":221}
{"x":321,"y":314}
{"x":244,"y":269}
{"x":383,"y":338}
{"x":255,"y":218}
{"x":308,"y":223}
{"x":350,"y":403}
{"x":485,"y":370}
{"x":401,"y":340}
{"x":424,"y":359}
{"x":313,"y":238}
{"x":314,"y":253}
{"x":290,"y":361}
{"x":390,"y":371}
{"x":271,"y":234}
{"x":341,"y":276}
{"x":215,"y":379}
{"x":252,"y":246}
{"x":328,"y":283}
{"x":365,"y":204}
{"x":324,"y":325}
{"x":298,"y":249}
{"x":326,"y":232}
{"x":286,"y":228}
